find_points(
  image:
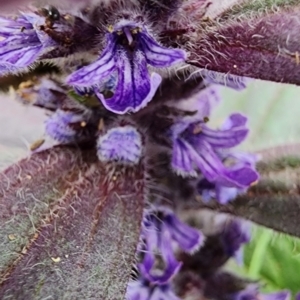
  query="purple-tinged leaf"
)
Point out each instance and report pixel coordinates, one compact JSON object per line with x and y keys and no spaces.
{"x":69,"y":226}
{"x":258,"y":39}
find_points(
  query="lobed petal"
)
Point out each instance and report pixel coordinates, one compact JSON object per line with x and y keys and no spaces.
{"x":95,"y":73}
{"x":234,"y":120}
{"x":233,"y":181}
{"x":134,"y":88}
{"x":182,"y":162}
{"x":207,"y":161}
{"x":223,"y":138}
{"x":138,"y":290}
{"x":157,"y":55}
{"x":24,"y":42}
{"x":9,"y":27}
{"x":122,"y":144}
{"x":241,"y":178}
{"x":16,"y":60}
{"x":172,"y":266}
{"x":188,"y":238}
{"x":235,"y":233}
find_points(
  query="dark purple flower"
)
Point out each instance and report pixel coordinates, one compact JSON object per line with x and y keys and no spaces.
{"x":122,"y":144}
{"x":69,"y":126}
{"x":24,"y":42}
{"x":45,"y":93}
{"x":161,"y":229}
{"x":222,"y":193}
{"x":235,"y":233}
{"x":144,"y":290}
{"x":195,"y":146}
{"x":128,"y":52}
{"x":49,"y":94}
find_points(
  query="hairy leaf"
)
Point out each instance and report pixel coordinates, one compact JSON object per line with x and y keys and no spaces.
{"x":69,"y":226}
{"x":258,"y":39}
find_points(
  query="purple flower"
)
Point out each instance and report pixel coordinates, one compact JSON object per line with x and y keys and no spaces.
{"x":128,"y":52}
{"x":222,"y":193}
{"x":122,"y":144}
{"x":144,"y":290}
{"x":50,"y":95}
{"x":235,"y":233}
{"x":197,"y":146}
{"x":70,"y":126}
{"x":24,"y":42}
{"x":252,"y":293}
{"x":161,"y":229}
{"x":45,"y":93}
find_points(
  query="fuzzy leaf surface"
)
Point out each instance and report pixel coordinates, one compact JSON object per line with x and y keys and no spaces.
{"x":257,"y":39}
{"x":69,"y":226}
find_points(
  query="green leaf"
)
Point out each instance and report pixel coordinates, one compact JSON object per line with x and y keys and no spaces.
{"x":279,"y":264}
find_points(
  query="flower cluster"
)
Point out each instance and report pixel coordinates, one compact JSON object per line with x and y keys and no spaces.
{"x":133,"y":98}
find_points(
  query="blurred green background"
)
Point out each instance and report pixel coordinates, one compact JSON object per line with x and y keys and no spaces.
{"x":274,"y":119}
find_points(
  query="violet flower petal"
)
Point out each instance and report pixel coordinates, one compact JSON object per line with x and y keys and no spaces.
{"x":234,"y":120}
{"x":241,"y":178}
{"x":137,"y":290}
{"x":96,"y":72}
{"x":164,"y":245}
{"x":122,"y":144}
{"x":134,"y":88}
{"x":188,"y":238}
{"x":207,"y":161}
{"x":23,"y":42}
{"x":223,"y":138}
{"x":282,"y":295}
{"x":9,"y":27}
{"x":182,"y":162}
{"x":234,"y":235}
{"x":159,"y":56}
